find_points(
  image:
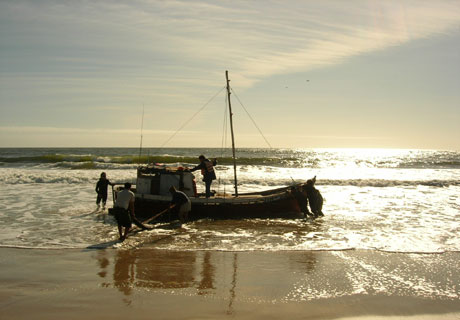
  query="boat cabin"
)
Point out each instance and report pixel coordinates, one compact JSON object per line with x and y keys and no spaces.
{"x":157,"y":179}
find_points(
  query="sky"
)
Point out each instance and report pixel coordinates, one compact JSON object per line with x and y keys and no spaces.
{"x":311,"y":74}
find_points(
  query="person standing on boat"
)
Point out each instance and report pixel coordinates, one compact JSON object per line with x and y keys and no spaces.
{"x":180,"y":203}
{"x":123,"y":210}
{"x":101,"y":189}
{"x":207,"y":170}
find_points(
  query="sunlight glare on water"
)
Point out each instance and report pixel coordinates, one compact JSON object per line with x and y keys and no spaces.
{"x":391,"y":200}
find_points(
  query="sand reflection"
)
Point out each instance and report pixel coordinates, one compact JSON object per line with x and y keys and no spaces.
{"x":229,"y":276}
{"x":207,"y":275}
{"x":103,"y":263}
{"x":153,"y":269}
{"x":233,"y":286}
{"x":123,"y":273}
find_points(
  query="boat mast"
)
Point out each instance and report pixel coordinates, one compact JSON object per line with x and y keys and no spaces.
{"x":233,"y":137}
{"x":142,"y":131}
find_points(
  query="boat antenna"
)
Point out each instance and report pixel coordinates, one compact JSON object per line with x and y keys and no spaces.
{"x":231,"y":129}
{"x":142,"y":131}
{"x":224,"y":139}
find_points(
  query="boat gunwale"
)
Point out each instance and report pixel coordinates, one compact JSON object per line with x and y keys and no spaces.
{"x":241,"y":199}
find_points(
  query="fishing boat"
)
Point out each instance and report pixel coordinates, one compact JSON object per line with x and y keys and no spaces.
{"x":153,"y":196}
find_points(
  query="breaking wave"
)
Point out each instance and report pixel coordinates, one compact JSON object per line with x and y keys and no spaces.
{"x":94,"y":162}
{"x":380,"y":183}
{"x":119,"y":176}
{"x":389,"y":183}
{"x":96,"y":159}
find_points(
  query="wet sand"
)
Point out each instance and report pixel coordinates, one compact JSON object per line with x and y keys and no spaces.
{"x":147,"y":283}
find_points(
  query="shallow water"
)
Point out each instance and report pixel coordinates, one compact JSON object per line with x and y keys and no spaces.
{"x":390,"y":200}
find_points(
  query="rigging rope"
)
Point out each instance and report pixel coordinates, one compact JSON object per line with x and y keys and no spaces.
{"x":255,"y":124}
{"x":142,"y":131}
{"x":224,"y":129}
{"x":196,"y":113}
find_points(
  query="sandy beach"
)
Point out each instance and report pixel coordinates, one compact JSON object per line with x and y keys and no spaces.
{"x":147,"y":283}
{"x":315,"y":144}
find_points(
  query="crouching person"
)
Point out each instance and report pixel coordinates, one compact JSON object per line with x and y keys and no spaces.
{"x":180,"y":204}
{"x":314,"y":198}
{"x":123,"y":210}
{"x":302,"y":200}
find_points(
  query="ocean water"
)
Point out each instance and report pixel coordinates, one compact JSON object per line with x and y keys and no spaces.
{"x":375,"y":199}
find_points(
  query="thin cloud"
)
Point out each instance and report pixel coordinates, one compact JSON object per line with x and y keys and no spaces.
{"x":90,"y":131}
{"x":104,"y":55}
{"x":258,"y":39}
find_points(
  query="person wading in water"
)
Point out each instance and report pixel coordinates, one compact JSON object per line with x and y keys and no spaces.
{"x":101,"y":189}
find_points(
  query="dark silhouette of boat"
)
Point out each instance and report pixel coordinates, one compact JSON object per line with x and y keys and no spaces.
{"x":153,"y":197}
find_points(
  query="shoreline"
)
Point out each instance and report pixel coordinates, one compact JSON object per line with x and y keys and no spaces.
{"x":108,"y":246}
{"x":114,"y":284}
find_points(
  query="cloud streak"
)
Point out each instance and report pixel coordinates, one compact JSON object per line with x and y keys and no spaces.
{"x":29,"y":136}
{"x":255,"y":39}
{"x":85,"y":63}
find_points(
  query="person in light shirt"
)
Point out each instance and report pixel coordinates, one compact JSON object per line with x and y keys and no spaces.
{"x":124,"y":210}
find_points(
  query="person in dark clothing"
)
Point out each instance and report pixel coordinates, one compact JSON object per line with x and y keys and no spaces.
{"x":180,"y":204}
{"x":101,"y":189}
{"x":314,"y":198}
{"x":207,"y":170}
{"x":302,"y":200}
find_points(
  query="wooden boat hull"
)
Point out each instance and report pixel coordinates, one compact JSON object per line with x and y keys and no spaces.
{"x":277,"y":203}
